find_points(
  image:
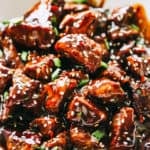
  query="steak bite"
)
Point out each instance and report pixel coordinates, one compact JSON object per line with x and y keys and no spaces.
{"x":123,"y":130}
{"x":107,"y":90}
{"x":26,"y":140}
{"x":46,"y":125}
{"x":141,"y":97}
{"x":83,"y":140}
{"x":40,"y":68}
{"x":85,"y":113}
{"x":82,"y":22}
{"x":85,"y":22}
{"x":25,"y":92}
{"x":115,"y":72}
{"x":57,"y":91}
{"x":36,"y":29}
{"x":10,"y":53}
{"x":58,"y":142}
{"x":5,"y":75}
{"x":82,"y":49}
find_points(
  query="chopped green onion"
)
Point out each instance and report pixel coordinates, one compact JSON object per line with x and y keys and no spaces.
{"x":104,"y":65}
{"x":55,"y":74}
{"x":57,"y":62}
{"x":6,"y":22}
{"x":56,"y":148}
{"x":83,"y":82}
{"x":107,"y":44}
{"x":79,"y":114}
{"x":24,"y":55}
{"x":140,"y":42}
{"x":17,"y":20}
{"x":56,"y":31}
{"x":135,"y":27}
{"x":80,"y":1}
{"x":5,"y":95}
{"x":54,"y":20}
{"x":98,"y":134}
{"x":40,"y":148}
{"x":1,"y":53}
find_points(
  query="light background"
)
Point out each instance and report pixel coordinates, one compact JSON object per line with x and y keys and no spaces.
{"x":16,"y":8}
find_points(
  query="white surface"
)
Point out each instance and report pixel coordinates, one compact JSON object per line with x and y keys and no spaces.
{"x":15,"y":8}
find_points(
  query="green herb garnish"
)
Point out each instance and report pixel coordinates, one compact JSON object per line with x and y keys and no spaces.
{"x":1,"y":53}
{"x":54,"y":20}
{"x":135,"y":27}
{"x":24,"y":56}
{"x":55,"y":74}
{"x":57,"y":62}
{"x":56,"y":31}
{"x":40,"y":148}
{"x":6,"y":22}
{"x":107,"y":44}
{"x":80,"y":1}
{"x":83,"y":82}
{"x":104,"y":65}
{"x":98,"y":134}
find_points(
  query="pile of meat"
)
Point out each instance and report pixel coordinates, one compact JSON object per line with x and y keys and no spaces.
{"x":74,"y":77}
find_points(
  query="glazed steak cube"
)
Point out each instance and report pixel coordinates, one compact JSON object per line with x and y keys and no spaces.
{"x":123,"y":130}
{"x":56,"y":91}
{"x":5,"y":75}
{"x":46,"y":125}
{"x":10,"y":53}
{"x":59,"y":142}
{"x":25,"y":92}
{"x":115,"y":72}
{"x":36,"y":28}
{"x":83,"y":112}
{"x":141,"y":96}
{"x":40,"y":68}
{"x":82,"y":22}
{"x":82,"y":49}
{"x":26,"y":140}
{"x":83,"y":140}
{"x":106,"y":89}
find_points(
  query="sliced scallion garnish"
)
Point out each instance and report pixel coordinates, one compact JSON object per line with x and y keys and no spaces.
{"x":56,"y":31}
{"x":98,"y":134}
{"x":24,"y":55}
{"x":107,"y":44}
{"x":55,"y":74}
{"x":135,"y":27}
{"x":80,"y":1}
{"x":104,"y":65}
{"x":57,"y":62}
{"x":83,"y":82}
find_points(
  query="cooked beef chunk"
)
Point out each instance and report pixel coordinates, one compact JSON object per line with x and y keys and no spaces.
{"x":40,"y":68}
{"x":59,"y":142}
{"x":107,"y":90}
{"x":25,"y":92}
{"x":84,"y":112}
{"x":116,"y":73}
{"x":123,"y":130}
{"x":5,"y":75}
{"x":82,"y":49}
{"x":26,"y":140}
{"x":83,"y":140}
{"x":10,"y":53}
{"x":57,"y":91}
{"x":46,"y":125}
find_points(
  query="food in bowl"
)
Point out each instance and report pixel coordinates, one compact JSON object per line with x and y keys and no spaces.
{"x":75,"y":76}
